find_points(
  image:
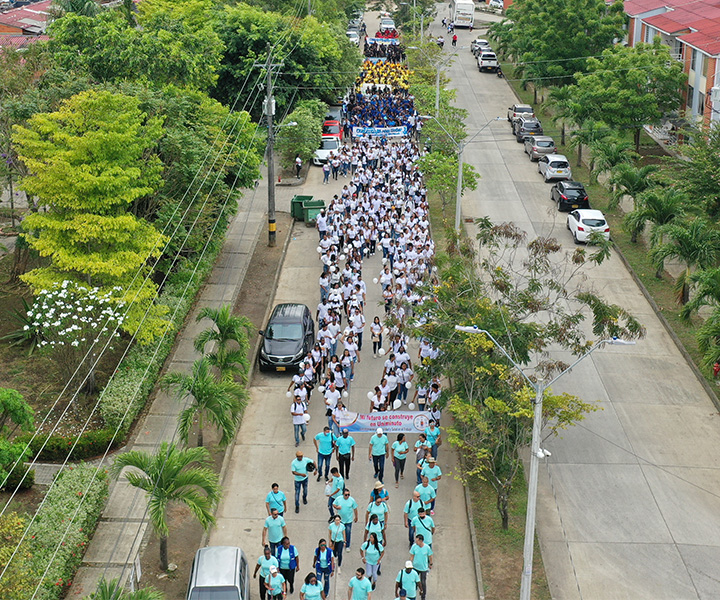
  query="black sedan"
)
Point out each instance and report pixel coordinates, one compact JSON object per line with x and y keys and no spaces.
{"x":289,"y":335}
{"x":569,"y":195}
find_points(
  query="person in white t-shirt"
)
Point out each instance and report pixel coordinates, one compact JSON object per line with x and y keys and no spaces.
{"x":298,"y":410}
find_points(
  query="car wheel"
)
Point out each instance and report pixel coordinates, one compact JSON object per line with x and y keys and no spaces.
{"x":577,"y":241}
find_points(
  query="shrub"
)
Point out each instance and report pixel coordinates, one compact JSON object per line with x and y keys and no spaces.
{"x":16,"y":479}
{"x":91,"y":444}
{"x":66,"y":523}
{"x":17,"y":582}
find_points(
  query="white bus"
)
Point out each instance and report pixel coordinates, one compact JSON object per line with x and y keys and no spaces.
{"x":463,"y":12}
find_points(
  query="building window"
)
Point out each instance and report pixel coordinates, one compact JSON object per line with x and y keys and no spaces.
{"x":690,"y":96}
{"x":649,"y":34}
{"x":693,"y":59}
{"x":704,"y":68}
{"x":701,"y":103}
{"x":677,"y":49}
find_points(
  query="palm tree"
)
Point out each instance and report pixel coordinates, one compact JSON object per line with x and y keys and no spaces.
{"x":174,"y":476}
{"x":708,"y":338}
{"x":589,"y":132}
{"x":608,"y":153}
{"x":85,"y":8}
{"x":707,"y":291}
{"x":112,"y":590}
{"x":696,"y":243}
{"x":560,"y":98}
{"x":227,"y":328}
{"x":629,"y":180}
{"x":218,"y":402}
{"x":658,"y":205}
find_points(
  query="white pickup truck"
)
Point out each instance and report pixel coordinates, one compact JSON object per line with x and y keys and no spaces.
{"x":487,"y":61}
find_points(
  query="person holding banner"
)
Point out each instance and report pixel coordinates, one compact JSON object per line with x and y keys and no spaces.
{"x":378,"y":451}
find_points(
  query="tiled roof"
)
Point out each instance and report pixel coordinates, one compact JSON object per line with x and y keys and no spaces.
{"x":31,"y":18}
{"x":21,"y":41}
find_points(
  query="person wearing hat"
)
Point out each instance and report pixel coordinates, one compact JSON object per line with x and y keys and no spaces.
{"x":379,"y":491}
{"x":433,"y":473}
{"x":421,"y":561}
{"x":263,"y":565}
{"x":345,"y":446}
{"x":408,"y":581}
{"x":378,"y":451}
{"x":275,"y":584}
{"x":300,"y":470}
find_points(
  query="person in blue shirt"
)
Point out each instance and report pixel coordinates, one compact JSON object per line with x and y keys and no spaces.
{"x":337,"y":538}
{"x":360,"y":587}
{"x":300,"y":469}
{"x":347,"y":509}
{"x":324,"y":564}
{"x":378,"y":451}
{"x":408,"y":579}
{"x":425,"y":526}
{"x":289,"y":560}
{"x":324,"y":445}
{"x":276,"y":499}
{"x":336,"y":486}
{"x":312,"y":589}
{"x":433,"y":473}
{"x":432,"y":433}
{"x":263,"y":565}
{"x":274,"y":530}
{"x":410,"y":512}
{"x":345,"y":445}
{"x":400,"y":450}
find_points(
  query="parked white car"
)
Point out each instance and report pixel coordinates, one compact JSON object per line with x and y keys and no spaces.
{"x":554,"y":166}
{"x":496,"y":4}
{"x":330,"y":144}
{"x":487,"y":61}
{"x":353,"y":37}
{"x":583,"y":222}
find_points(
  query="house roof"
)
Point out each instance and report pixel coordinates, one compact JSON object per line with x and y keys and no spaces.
{"x":638,"y":7}
{"x":32,"y":18}
{"x":706,"y":38}
{"x":21,"y":41}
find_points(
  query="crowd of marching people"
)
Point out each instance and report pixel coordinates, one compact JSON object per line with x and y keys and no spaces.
{"x":390,"y":52}
{"x":384,"y":73}
{"x":381,"y":210}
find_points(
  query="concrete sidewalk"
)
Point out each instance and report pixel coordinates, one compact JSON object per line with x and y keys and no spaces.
{"x":119,"y":536}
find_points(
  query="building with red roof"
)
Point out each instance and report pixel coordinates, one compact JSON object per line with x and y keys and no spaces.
{"x":27,"y":20}
{"x":691,"y":29}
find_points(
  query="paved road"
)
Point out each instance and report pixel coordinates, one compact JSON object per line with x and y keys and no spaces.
{"x":629,"y":502}
{"x":265,"y":448}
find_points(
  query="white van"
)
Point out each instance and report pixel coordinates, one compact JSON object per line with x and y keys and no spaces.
{"x":219,"y":573}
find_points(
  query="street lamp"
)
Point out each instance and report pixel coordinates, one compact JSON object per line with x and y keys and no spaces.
{"x":422,"y":17}
{"x":536,"y":453}
{"x":438,"y":66}
{"x":460,"y":148}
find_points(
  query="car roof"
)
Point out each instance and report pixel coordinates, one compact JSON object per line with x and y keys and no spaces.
{"x":590,"y":213}
{"x":478,"y":40}
{"x":288,"y":313}
{"x":556,"y":157}
{"x":215,"y":566}
{"x":543,"y":138}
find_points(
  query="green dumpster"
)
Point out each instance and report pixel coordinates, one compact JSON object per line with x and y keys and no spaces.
{"x":296,"y":206}
{"x":311,"y":209}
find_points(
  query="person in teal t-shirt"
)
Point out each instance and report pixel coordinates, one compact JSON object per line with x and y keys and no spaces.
{"x":345,"y":445}
{"x":379,"y":508}
{"x":372,"y":552}
{"x":300,"y":470}
{"x":400,"y":450}
{"x":275,"y":584}
{"x":421,"y":560}
{"x":424,"y":525}
{"x":276,"y":499}
{"x":347,"y":509}
{"x":432,"y":471}
{"x":263,"y":565}
{"x":432,"y":433}
{"x":427,"y":492}
{"x":324,"y":445}
{"x":274,"y":530}
{"x":312,"y":589}
{"x":378,"y":451}
{"x":359,"y":587}
{"x":337,"y":485}
{"x":408,"y":579}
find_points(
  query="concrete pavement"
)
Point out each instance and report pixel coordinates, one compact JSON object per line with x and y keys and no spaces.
{"x":264,"y":449}
{"x":629,"y":501}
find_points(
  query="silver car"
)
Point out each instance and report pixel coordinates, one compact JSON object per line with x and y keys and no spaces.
{"x":554,"y":166}
{"x":538,"y":146}
{"x":219,"y":573}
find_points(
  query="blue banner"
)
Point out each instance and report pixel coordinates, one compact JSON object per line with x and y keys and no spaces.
{"x":380,"y":131}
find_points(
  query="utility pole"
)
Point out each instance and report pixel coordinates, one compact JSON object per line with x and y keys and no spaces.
{"x":269,"y":112}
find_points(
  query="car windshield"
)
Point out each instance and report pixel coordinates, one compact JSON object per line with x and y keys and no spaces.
{"x":214,"y":593}
{"x":574,"y":193}
{"x":284,"y":331}
{"x":543,"y":144}
{"x":559,"y":164}
{"x":330,"y":145}
{"x":594,"y":222}
{"x":531,"y":125}
{"x":488,"y":56}
{"x":330,"y":129}
{"x":523,"y":109}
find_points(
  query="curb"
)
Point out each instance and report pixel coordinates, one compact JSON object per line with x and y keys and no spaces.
{"x":671,"y":332}
{"x":251,"y":370}
{"x":475,"y":545}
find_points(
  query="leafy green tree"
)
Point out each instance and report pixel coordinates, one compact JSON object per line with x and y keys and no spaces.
{"x":441,"y":177}
{"x":303,"y":138}
{"x":89,"y":161}
{"x":696,"y":171}
{"x":550,"y":40}
{"x":695,"y":243}
{"x":86,"y":8}
{"x":173,"y":476}
{"x":589,"y":132}
{"x":630,"y":180}
{"x":15,"y":409}
{"x":112,"y":590}
{"x":629,"y":87}
{"x":18,"y":581}
{"x":218,"y":402}
{"x":560,"y":98}
{"x":229,"y":333}
{"x":609,"y":152}
{"x":165,"y":50}
{"x":317,"y":61}
{"x":659,"y":206}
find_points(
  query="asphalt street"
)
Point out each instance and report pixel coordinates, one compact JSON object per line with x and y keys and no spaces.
{"x":629,"y":501}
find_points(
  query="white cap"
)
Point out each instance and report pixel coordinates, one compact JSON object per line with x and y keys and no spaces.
{"x":408,"y":564}
{"x":379,"y":431}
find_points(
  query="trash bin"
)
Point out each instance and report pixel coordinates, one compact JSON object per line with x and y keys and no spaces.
{"x":311,"y":209}
{"x":296,"y":206}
